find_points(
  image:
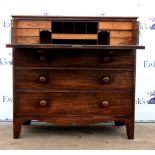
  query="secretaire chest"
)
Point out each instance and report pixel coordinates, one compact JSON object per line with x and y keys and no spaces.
{"x":74,"y":70}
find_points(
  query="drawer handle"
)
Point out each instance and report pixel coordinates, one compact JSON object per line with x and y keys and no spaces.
{"x":106,"y":59}
{"x":43,"y":79}
{"x":106,"y":79}
{"x":104,"y":103}
{"x":43,"y":103}
{"x":43,"y":58}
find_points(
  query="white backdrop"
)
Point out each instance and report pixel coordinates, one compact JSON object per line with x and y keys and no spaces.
{"x":145,"y":83}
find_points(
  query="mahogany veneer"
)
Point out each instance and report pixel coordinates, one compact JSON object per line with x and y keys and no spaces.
{"x":74,"y":70}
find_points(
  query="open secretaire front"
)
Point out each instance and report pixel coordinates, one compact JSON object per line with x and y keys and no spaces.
{"x":74,"y":70}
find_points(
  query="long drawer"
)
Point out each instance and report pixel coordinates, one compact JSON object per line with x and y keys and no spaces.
{"x":73,"y":104}
{"x":77,"y":58}
{"x":71,"y":79}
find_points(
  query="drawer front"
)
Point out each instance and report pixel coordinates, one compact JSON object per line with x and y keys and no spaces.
{"x":73,"y":104}
{"x":63,"y":79}
{"x":76,"y":58}
{"x":33,"y":24}
{"x":27,"y":40}
{"x":115,"y":25}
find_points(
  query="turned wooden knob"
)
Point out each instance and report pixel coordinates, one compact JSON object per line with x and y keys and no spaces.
{"x":43,"y":58}
{"x":106,"y":79}
{"x":106,"y":59}
{"x":43,"y":79}
{"x":43,"y":103}
{"x":104,"y":103}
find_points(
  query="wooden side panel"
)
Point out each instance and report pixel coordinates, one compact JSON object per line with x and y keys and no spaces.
{"x":13,"y":31}
{"x":115,"y":26}
{"x":136,"y":32}
{"x":34,"y":24}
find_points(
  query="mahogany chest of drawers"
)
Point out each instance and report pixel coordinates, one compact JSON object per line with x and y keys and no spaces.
{"x":74,"y":70}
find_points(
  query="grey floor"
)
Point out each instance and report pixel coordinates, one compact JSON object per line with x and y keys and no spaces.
{"x":43,"y":136}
